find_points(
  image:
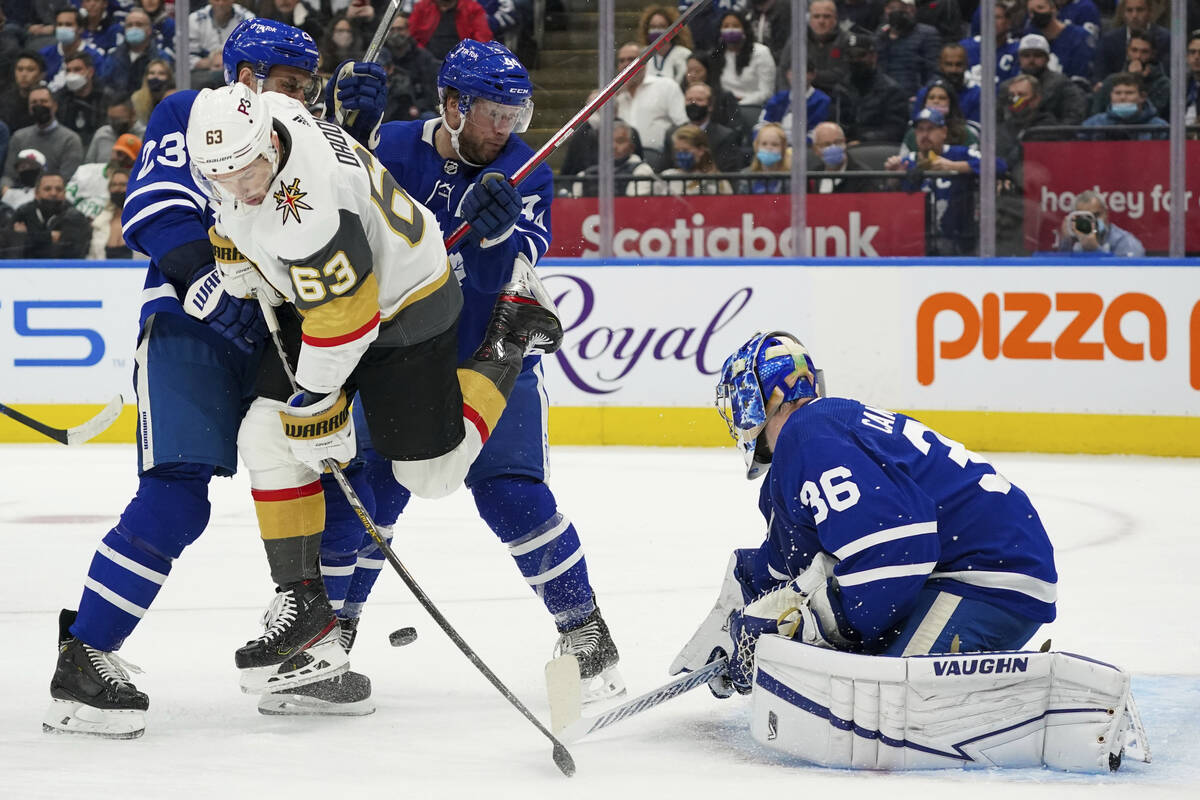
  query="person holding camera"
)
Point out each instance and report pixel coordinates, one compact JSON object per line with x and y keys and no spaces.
{"x":1087,"y":230}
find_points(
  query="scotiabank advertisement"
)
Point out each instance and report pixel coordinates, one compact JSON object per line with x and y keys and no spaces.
{"x":1090,"y":340}
{"x":1133,"y":178}
{"x":1062,"y":339}
{"x":744,"y":226}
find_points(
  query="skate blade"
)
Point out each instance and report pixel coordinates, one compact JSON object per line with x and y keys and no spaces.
{"x":608,"y":685}
{"x":282,"y":704}
{"x":326,"y":660}
{"x":73,"y":718}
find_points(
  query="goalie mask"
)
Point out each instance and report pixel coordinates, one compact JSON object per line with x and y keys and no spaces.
{"x":769,"y":370}
{"x":233,"y":156}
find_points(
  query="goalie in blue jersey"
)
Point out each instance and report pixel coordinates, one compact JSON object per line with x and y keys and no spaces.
{"x":883,"y":536}
{"x":457,"y":166}
{"x":197,"y":358}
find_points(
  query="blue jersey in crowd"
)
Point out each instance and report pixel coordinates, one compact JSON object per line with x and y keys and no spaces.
{"x":165,"y":215}
{"x":898,"y":506}
{"x":1007,"y":63}
{"x":408,"y":152}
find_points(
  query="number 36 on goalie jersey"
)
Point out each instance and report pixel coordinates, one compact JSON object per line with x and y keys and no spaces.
{"x":898,"y":504}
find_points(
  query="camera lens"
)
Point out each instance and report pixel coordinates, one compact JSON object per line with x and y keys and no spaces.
{"x":1083,"y":225}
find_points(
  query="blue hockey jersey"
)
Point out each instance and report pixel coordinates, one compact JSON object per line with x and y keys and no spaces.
{"x":898,"y":506}
{"x":165,"y":215}
{"x":408,"y":152}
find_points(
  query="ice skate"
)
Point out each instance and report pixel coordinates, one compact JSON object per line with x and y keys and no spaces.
{"x":301,"y":643}
{"x":591,"y":644}
{"x":344,"y":695}
{"x":524,"y":319}
{"x":91,"y":693}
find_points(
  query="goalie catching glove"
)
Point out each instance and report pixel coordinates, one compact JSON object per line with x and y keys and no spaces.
{"x":358,"y":86}
{"x":240,"y":321}
{"x":319,"y":427}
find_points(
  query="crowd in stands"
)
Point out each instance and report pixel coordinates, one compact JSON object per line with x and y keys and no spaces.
{"x":710,"y":114}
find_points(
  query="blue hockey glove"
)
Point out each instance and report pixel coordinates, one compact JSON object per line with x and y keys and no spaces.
{"x":359,"y":86}
{"x":745,"y":629}
{"x":240,"y":321}
{"x":492,"y":206}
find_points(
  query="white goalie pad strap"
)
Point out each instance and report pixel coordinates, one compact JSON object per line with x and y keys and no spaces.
{"x":1010,"y":709}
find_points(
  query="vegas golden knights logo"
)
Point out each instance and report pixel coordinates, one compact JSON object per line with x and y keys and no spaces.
{"x":289,"y":200}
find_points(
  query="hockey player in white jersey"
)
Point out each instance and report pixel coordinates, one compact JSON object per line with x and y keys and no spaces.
{"x":308,"y":218}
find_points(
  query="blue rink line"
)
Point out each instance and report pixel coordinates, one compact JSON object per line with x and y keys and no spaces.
{"x":1048,"y":260}
{"x":1170,"y":709}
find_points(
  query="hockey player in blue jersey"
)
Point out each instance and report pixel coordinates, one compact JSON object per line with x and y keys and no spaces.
{"x":917,"y":545}
{"x":457,"y":166}
{"x":197,"y":355}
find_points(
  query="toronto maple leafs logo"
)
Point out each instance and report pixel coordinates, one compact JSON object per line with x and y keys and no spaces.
{"x":289,"y":200}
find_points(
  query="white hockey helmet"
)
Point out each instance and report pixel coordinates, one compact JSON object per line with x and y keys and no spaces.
{"x":227,"y":130}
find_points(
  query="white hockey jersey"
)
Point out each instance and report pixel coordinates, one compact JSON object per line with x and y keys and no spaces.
{"x":339,"y":239}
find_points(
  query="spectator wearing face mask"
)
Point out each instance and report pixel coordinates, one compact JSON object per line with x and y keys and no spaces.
{"x":412,"y":79}
{"x":80,"y":102}
{"x":701,"y":69}
{"x":1071,"y":44}
{"x":870,"y":106}
{"x":633,"y":177}
{"x":672,"y":62}
{"x":1020,"y":109}
{"x":1140,"y":60}
{"x":1088,"y":230}
{"x":27,"y":167}
{"x":107,"y":239}
{"x":748,"y":69}
{"x":1127,"y":105}
{"x":49,"y":227}
{"x":61,"y":147}
{"x":88,"y":188}
{"x":341,"y":42}
{"x":693,"y":159}
{"x":779,"y":108}
{"x":68,"y":24}
{"x":832,"y":160}
{"x":127,"y":63}
{"x":119,"y":119}
{"x":907,"y":50}
{"x":28,"y":72}
{"x":159,"y":80}
{"x":722,"y":140}
{"x":771,"y":166}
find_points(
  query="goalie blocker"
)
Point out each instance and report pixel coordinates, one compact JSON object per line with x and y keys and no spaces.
{"x":1004,"y":709}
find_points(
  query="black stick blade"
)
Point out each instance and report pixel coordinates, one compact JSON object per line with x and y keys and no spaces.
{"x":563,"y":760}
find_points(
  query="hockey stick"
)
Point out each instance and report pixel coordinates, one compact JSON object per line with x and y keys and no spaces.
{"x":80,"y":433}
{"x":562,"y":758}
{"x":581,"y":117}
{"x":564,"y":698}
{"x":381,"y":32}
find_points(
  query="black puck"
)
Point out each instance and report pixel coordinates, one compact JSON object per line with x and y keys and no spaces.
{"x":402,"y":636}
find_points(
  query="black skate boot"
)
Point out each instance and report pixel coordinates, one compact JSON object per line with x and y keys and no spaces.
{"x":91,"y":692}
{"x":524,"y":319}
{"x":301,"y":643}
{"x":344,"y":695}
{"x":592,"y":646}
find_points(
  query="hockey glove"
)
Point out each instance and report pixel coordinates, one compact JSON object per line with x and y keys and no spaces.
{"x":359,"y":86}
{"x":318,"y":427}
{"x":240,"y":321}
{"x":492,"y":206}
{"x":238,"y":275}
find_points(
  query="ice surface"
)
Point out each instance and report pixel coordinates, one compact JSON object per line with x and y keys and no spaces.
{"x":657,"y":525}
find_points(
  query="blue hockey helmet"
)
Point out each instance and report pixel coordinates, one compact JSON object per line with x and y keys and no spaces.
{"x":487,"y":71}
{"x":769,"y":370}
{"x":265,"y":43}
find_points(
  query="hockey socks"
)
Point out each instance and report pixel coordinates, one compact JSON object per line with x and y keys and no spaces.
{"x":169,"y":511}
{"x":523,"y":513}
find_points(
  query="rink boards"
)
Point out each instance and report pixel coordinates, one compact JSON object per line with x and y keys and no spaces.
{"x":1029,"y":355}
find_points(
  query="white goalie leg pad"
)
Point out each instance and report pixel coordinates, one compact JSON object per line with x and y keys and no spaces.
{"x":1010,"y":709}
{"x":265,"y":452}
{"x":438,"y":477}
{"x":713,"y":632}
